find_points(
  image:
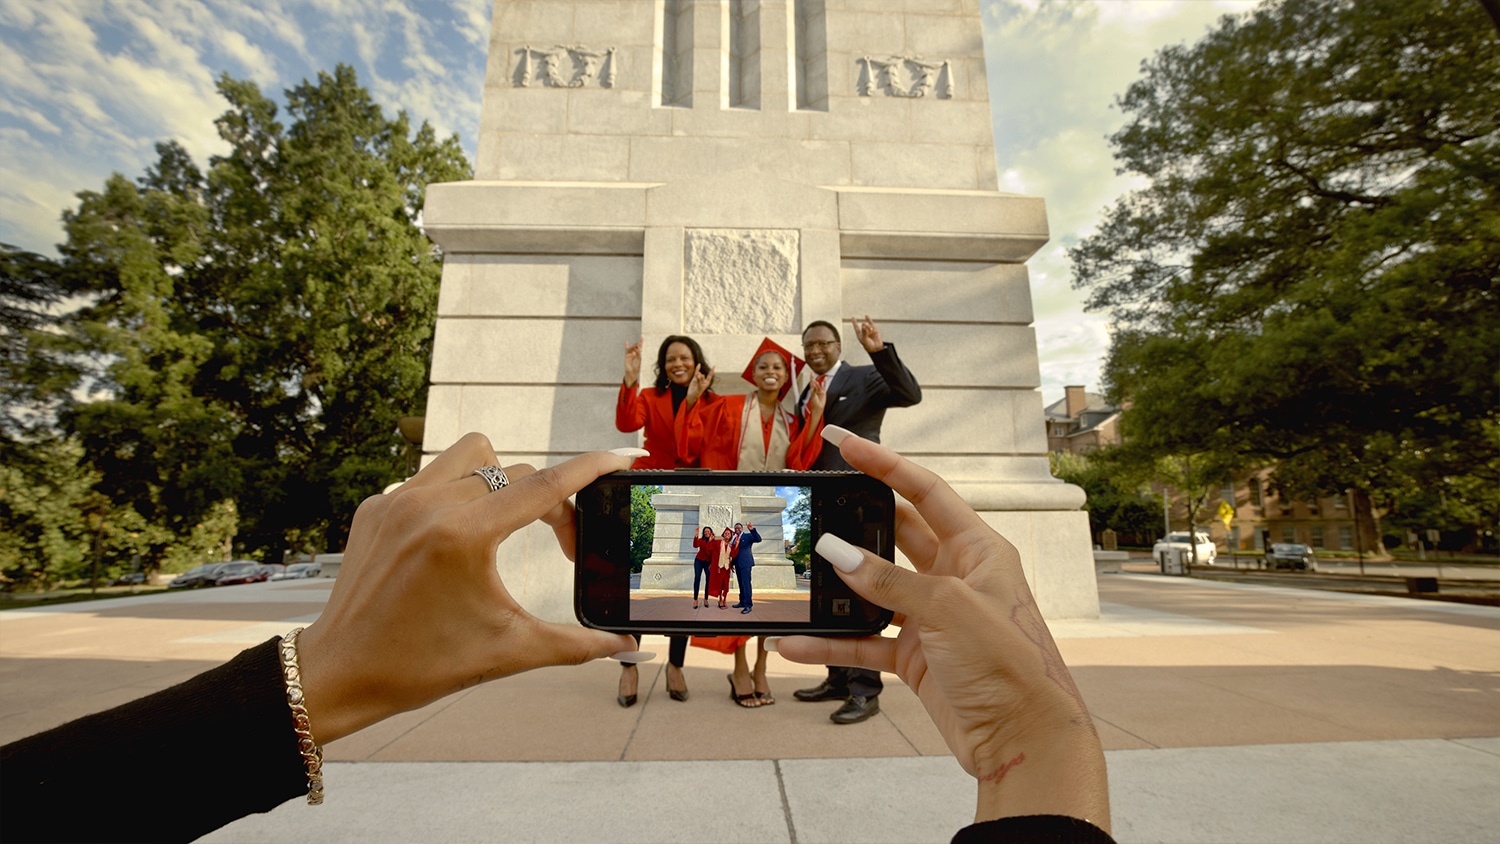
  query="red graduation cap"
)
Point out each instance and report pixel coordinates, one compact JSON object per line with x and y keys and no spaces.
{"x":794,"y":364}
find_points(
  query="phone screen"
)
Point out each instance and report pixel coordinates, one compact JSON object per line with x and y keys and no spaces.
{"x":710,"y":552}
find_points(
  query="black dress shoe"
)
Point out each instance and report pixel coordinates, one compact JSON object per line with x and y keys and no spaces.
{"x":822,"y":691}
{"x":626,"y":701}
{"x":856,"y":709}
{"x":745,"y":610}
{"x":737,"y":606}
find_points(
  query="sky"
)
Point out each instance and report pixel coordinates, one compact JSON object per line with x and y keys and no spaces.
{"x":91,"y":86}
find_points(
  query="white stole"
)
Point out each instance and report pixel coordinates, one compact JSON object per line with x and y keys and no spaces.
{"x":754,"y":457}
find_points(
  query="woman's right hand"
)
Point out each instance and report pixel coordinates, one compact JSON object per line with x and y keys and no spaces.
{"x":972,"y":645}
{"x":699,"y":385}
{"x":632,"y":363}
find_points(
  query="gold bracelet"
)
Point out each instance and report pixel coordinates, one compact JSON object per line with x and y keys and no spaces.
{"x":312,"y":755}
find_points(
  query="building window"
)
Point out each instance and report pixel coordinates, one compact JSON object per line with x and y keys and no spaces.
{"x":1288,"y":533}
{"x":1227,"y":493}
{"x":1317,"y":537}
{"x":1346,"y":538}
{"x":1340,"y":503}
{"x":1312,"y":507}
{"x":1255,"y":491}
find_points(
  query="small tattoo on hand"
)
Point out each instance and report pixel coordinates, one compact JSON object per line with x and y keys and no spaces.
{"x":999,"y":774}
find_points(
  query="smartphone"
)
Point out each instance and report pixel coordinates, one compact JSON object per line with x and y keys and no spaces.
{"x":639,"y":569}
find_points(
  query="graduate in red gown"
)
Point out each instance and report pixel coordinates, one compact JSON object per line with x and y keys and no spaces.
{"x":758,"y":432}
{"x":656,"y":408}
{"x":721,"y":552}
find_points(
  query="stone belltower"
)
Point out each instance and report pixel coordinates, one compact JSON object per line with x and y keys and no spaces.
{"x":732,"y":169}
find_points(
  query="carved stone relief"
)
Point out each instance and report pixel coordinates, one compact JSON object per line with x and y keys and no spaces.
{"x":564,"y":66}
{"x":904,"y":76}
{"x":741,"y":281}
{"x":720,"y":516}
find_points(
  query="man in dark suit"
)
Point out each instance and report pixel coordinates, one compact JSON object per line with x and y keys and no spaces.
{"x":744,"y":561}
{"x":858,"y":397}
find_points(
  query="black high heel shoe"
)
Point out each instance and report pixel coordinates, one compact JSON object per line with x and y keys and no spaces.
{"x":676,"y":694}
{"x":625,"y":700}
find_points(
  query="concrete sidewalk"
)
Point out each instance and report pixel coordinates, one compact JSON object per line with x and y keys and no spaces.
{"x":1229,"y":712}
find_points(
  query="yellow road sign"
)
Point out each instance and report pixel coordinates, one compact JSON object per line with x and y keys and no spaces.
{"x":1226,"y":513}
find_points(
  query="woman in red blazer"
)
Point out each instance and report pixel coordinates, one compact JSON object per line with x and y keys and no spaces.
{"x":701,"y":562}
{"x":655,"y":408}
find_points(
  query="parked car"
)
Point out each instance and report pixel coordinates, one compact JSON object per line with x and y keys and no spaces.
{"x":259,"y":574}
{"x":297,"y":571}
{"x":1207,"y":551}
{"x":240,"y":571}
{"x":1289,"y":555}
{"x":198,"y":576}
{"x":135,"y":578}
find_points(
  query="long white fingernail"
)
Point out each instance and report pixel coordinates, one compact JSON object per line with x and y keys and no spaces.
{"x":835,"y":434}
{"x":772,"y":643}
{"x":630,"y":452}
{"x":844,"y":557}
{"x":633,"y":656}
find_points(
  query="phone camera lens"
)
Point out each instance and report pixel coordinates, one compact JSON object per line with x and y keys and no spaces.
{"x":842,"y":500}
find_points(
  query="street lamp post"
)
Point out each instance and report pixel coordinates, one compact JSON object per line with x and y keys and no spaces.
{"x":1359,"y":543}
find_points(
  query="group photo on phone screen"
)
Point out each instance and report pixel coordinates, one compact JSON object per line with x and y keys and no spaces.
{"x":719,"y":553}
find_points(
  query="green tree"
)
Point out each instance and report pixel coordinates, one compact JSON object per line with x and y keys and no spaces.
{"x":255,"y":329}
{"x":642,"y":524}
{"x":1308,"y":275}
{"x":799,"y":513}
{"x":1116,"y":500}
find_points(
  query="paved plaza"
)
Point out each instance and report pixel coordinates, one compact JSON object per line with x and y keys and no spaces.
{"x":1228,"y":712}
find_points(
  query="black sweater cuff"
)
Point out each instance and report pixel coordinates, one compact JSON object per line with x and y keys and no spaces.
{"x":221,"y":742}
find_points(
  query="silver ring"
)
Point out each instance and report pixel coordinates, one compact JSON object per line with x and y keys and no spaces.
{"x":494,"y":476}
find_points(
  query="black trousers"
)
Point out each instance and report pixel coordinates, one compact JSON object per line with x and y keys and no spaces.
{"x":700,"y":569}
{"x":676,"y":652}
{"x":865,"y":682}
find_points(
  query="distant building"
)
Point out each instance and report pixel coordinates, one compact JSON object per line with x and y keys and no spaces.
{"x":1340,"y":523}
{"x":1081,"y":422}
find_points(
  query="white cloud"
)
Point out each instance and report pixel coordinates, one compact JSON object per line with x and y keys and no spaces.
{"x":1055,"y":69}
{"x":93,"y":85}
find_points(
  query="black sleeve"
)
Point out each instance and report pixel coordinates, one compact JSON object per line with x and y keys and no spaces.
{"x":1033,"y":829}
{"x":221,"y":742}
{"x":901,"y":386}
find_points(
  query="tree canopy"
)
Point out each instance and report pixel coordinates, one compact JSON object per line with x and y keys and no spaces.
{"x":252,"y":330}
{"x":1308,"y":274}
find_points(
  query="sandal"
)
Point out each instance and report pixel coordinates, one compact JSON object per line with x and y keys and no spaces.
{"x":741,"y":699}
{"x":764,"y":698}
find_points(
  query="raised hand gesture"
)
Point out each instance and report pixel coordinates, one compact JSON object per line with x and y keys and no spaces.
{"x":699,"y":385}
{"x":817,"y":400}
{"x":868,"y":334}
{"x":632,"y":363}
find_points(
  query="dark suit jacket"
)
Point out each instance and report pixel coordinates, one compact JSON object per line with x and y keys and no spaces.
{"x":742,"y":554}
{"x":858,"y":397}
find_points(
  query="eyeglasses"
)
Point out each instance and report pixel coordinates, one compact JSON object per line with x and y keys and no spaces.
{"x":819,"y":345}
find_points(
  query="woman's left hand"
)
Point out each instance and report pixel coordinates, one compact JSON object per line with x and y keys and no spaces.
{"x":419,"y":611}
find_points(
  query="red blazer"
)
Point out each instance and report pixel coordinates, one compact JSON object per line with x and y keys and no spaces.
{"x":652,"y":409}
{"x":705,"y":548}
{"x":710,"y":436}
